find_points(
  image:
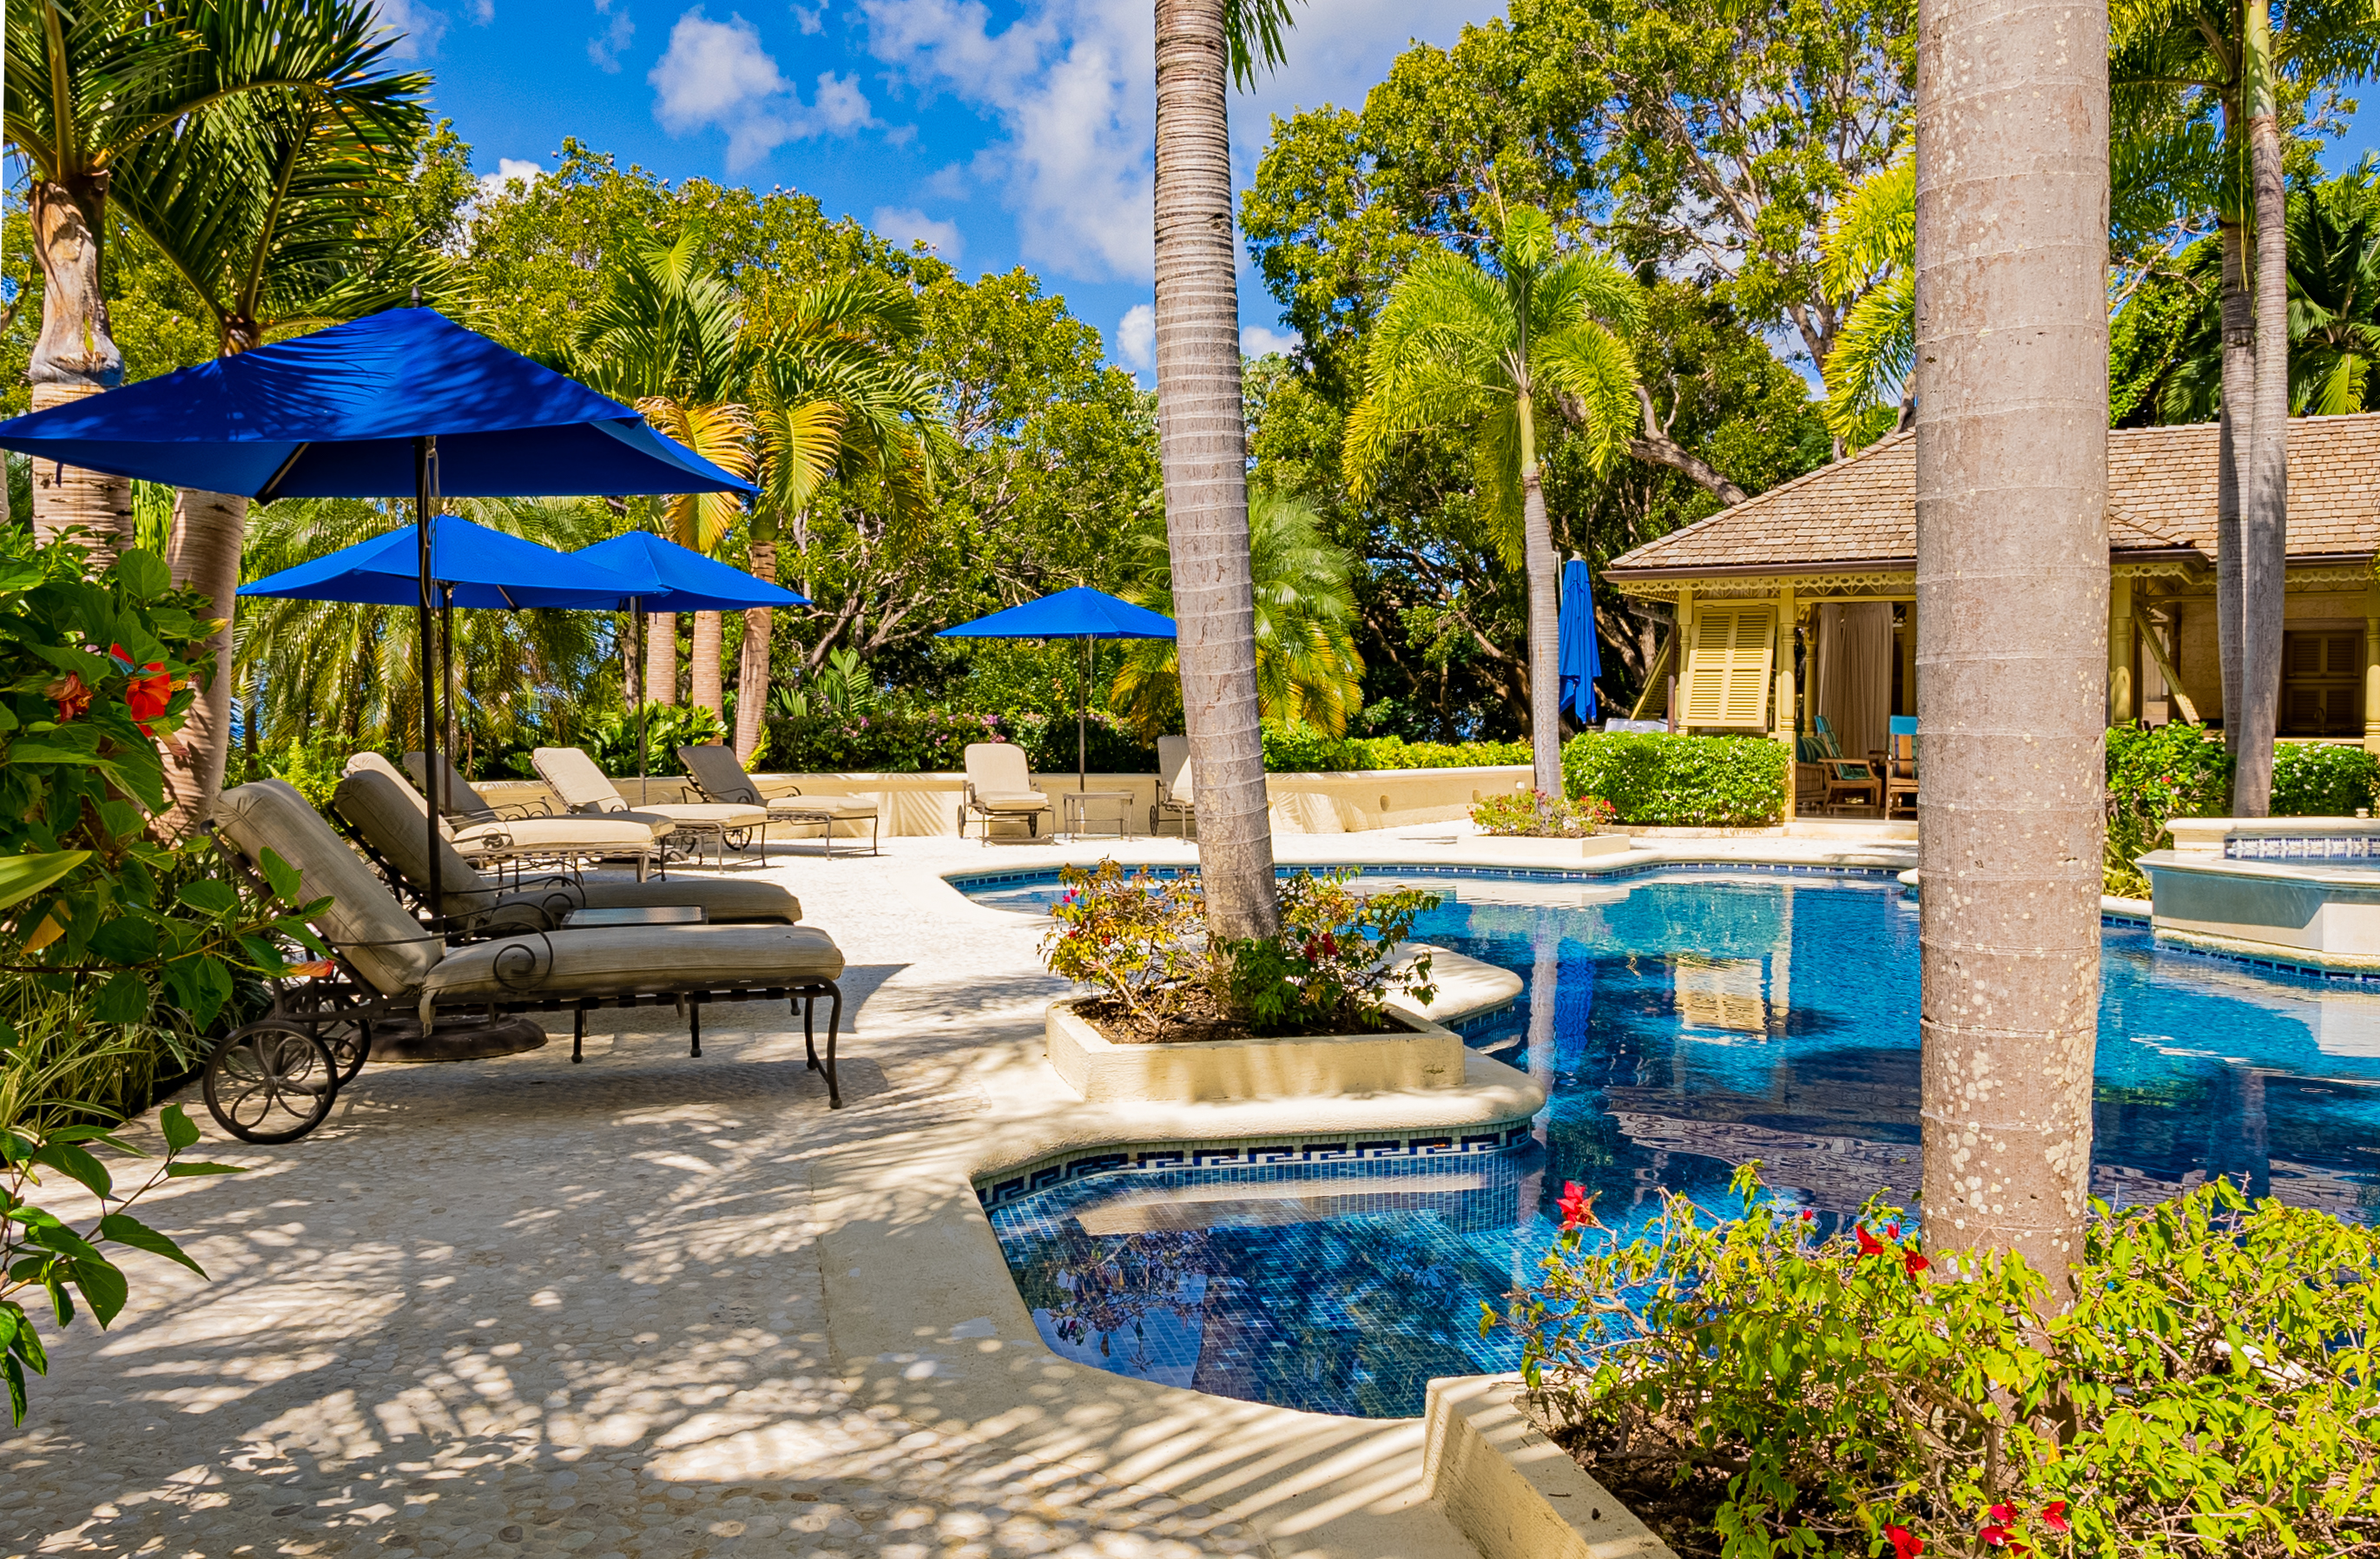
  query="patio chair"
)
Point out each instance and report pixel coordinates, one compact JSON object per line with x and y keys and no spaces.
{"x":525,"y":840}
{"x":386,"y":822}
{"x":1901,"y":764}
{"x":999,"y":787}
{"x":275,"y":1079}
{"x":1174,"y":798}
{"x":1845,"y":777}
{"x":586,"y":788}
{"x":716,"y":776}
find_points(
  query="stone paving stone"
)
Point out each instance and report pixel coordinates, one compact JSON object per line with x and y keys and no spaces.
{"x":519,"y":1307}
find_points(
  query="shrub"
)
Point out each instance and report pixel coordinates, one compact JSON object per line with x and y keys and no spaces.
{"x":2209,"y":1392}
{"x":2321,"y":780}
{"x":920,"y":741}
{"x":1533,"y":814}
{"x":2155,"y":775}
{"x":1139,"y":940}
{"x":1696,"y":782}
{"x":611,"y":740}
{"x":1299,"y":750}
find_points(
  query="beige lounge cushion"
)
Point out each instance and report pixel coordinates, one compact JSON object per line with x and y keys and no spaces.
{"x":715,"y":771}
{"x":574,"y":776}
{"x":612,"y":961}
{"x":459,"y":795}
{"x":839,"y":808}
{"x":707,"y":814}
{"x":1173,"y":770}
{"x":629,"y":833}
{"x":724,"y":903}
{"x":388,"y":817}
{"x":387,"y":946}
{"x":1030,"y":802}
{"x":997,"y":767}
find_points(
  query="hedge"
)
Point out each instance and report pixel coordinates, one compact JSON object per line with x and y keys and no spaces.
{"x":2321,"y":781}
{"x":2173,"y":771}
{"x":1302,"y":750}
{"x":1692,"y":782}
{"x":935,"y":741}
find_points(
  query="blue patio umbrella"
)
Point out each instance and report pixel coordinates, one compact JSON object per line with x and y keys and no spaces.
{"x":401,"y":402}
{"x":1578,"y":659}
{"x":1080,"y":613}
{"x":470,"y":565}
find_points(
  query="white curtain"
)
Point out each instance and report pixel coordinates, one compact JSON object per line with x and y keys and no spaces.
{"x":1854,"y":677}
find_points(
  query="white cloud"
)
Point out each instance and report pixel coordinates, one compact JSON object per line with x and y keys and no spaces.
{"x":418,"y":28}
{"x":509,"y":171}
{"x":1135,"y":339}
{"x":716,"y":74}
{"x":1255,"y":341}
{"x":811,"y":20}
{"x":483,"y":12}
{"x":604,"y":52}
{"x":952,"y":182}
{"x":907,"y":224}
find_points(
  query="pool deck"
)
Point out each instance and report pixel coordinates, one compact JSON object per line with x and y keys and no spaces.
{"x":655,"y":1306}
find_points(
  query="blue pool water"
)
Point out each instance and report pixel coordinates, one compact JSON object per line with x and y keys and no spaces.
{"x":1682,"y":1024}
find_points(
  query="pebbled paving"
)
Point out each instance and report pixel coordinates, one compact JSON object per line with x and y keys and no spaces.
{"x":520,"y":1307}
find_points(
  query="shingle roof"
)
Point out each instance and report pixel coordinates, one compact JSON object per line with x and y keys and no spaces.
{"x":2161,"y":497}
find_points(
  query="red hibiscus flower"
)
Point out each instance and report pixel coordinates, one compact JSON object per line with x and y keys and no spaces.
{"x":1577,"y":1204}
{"x":2002,"y":1513}
{"x":1809,"y":1215}
{"x":70,"y":694}
{"x":1868,"y":1244}
{"x":2053,"y":1516}
{"x":1915,"y":1262}
{"x":1906,"y":1544}
{"x":1893,"y":1231}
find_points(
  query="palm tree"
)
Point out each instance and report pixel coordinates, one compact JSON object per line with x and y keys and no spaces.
{"x":1202,"y":440}
{"x":1307,"y":667}
{"x":1459,"y":343}
{"x":269,"y":216}
{"x":89,"y":87}
{"x":2011,"y":414}
{"x":1870,"y":255}
{"x":2334,"y":295}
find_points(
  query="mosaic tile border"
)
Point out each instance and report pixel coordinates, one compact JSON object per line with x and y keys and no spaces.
{"x":1006,"y":1186}
{"x":966,"y":882}
{"x":2168,"y":942}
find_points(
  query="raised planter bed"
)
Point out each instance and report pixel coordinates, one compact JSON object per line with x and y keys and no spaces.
{"x":1511,"y":1492}
{"x":1416,"y":1055}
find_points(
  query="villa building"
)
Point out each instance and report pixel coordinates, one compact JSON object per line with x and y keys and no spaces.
{"x":1801,"y":602}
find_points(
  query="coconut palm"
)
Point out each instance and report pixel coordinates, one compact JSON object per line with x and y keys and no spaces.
{"x":93,"y":89}
{"x":1307,"y":667}
{"x":1202,"y":439}
{"x":2334,"y":295}
{"x":1869,"y":256}
{"x":1459,"y":343}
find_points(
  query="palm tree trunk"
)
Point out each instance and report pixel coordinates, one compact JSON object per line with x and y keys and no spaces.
{"x":2238,"y":418}
{"x":2011,"y":615}
{"x":1545,"y":614}
{"x":661,"y":657}
{"x":703,"y":689}
{"x":1202,"y":447}
{"x":208,"y":529}
{"x":2263,"y":518}
{"x":752,"y":675}
{"x":74,"y":357}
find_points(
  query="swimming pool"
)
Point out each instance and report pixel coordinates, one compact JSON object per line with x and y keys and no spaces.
{"x":1681,"y":1023}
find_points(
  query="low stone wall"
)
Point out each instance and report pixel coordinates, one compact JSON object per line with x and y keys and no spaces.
{"x":1511,"y":1492}
{"x":929,"y":803}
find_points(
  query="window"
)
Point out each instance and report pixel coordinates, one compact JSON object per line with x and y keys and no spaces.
{"x":1726,"y":669}
{"x":2322,"y":683}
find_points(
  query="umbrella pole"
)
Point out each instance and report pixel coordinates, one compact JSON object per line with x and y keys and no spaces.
{"x":644,"y":694}
{"x":1083,"y":716}
{"x":423,"y":448}
{"x":446,"y":687}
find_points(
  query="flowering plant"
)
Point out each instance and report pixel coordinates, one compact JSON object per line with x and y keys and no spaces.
{"x":2209,"y":1391}
{"x":1138,"y":939}
{"x":1332,"y":967}
{"x":1536,"y":815}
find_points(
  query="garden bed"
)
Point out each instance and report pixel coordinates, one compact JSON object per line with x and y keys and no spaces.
{"x":1415,"y":1053}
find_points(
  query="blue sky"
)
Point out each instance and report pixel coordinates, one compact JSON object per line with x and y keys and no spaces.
{"x":1006,"y":134}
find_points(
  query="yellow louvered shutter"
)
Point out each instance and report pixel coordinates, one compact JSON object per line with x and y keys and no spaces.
{"x":1726,"y":671}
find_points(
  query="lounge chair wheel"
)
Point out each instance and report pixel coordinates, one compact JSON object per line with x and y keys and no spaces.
{"x":270,"y":1082}
{"x":348,"y":1038}
{"x":736,"y":838}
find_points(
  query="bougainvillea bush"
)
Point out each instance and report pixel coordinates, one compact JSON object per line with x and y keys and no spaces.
{"x":1755,"y":1387}
{"x":1533,"y":814}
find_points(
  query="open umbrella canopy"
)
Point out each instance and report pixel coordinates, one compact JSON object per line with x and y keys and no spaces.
{"x":685,"y":580}
{"x":485,"y":568}
{"x":1080,"y":613}
{"x":1578,"y":658}
{"x":334,"y":414}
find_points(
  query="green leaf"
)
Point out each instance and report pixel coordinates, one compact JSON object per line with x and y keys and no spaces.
{"x":72,"y":1159}
{"x":210,"y":897}
{"x":127,"y":939}
{"x":23,"y":876}
{"x":144,"y":573}
{"x":54,"y":1235}
{"x":184,"y":1170}
{"x":179,"y":1132}
{"x":93,"y":1134}
{"x":282,"y":877}
{"x":103,"y":1288}
{"x":16,"y":1373}
{"x":61,"y":1302}
{"x":124,"y":1229}
{"x":124,"y":999}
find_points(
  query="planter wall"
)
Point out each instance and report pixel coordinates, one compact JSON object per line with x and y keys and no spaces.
{"x":1205,"y":1071}
{"x":1511,"y":1492}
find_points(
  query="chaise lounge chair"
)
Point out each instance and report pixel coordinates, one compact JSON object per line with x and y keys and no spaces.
{"x":480,"y":833}
{"x":275,"y":1079}
{"x":586,"y":788}
{"x":999,"y":787}
{"x":717,"y":777}
{"x":1175,"y":787}
{"x":387,"y":820}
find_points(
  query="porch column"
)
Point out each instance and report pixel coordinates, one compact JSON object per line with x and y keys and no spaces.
{"x":2371,"y":667}
{"x":1784,"y":726}
{"x":2119,"y":651}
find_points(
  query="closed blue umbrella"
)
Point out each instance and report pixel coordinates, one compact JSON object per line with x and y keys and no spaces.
{"x":1577,"y":657}
{"x":401,"y":402}
{"x":1080,"y":613}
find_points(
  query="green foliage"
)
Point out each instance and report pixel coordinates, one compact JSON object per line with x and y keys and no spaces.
{"x":610,"y":740}
{"x":1331,"y":970}
{"x":1139,"y":940}
{"x":1701,"y":782}
{"x":1301,"y":749}
{"x":2209,"y":1392}
{"x":920,"y":741}
{"x":314,"y":766}
{"x":2322,"y":779}
{"x":2154,"y":775}
{"x":1533,"y":814}
{"x":41,"y":1250}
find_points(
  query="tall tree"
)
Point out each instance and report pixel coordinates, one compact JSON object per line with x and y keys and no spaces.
{"x":1496,"y":351}
{"x":2011,"y":605}
{"x":1202,"y":441}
